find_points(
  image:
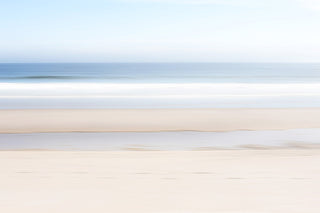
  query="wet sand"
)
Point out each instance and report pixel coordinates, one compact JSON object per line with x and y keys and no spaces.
{"x":163,"y":141}
{"x":153,"y":120}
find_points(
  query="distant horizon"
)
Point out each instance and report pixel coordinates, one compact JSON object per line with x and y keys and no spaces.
{"x":160,"y":62}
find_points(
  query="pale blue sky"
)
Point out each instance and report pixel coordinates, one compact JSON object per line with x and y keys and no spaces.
{"x":160,"y":31}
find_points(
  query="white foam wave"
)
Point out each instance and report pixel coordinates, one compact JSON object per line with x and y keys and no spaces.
{"x":105,"y":90}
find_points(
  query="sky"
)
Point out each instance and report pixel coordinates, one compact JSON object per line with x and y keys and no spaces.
{"x":159,"y":31}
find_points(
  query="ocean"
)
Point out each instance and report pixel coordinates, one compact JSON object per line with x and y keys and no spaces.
{"x":159,"y":85}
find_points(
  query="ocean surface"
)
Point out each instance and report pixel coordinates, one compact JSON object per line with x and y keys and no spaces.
{"x":159,"y":85}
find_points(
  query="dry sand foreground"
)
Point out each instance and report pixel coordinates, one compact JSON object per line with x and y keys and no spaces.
{"x":256,"y":181}
{"x":144,"y":120}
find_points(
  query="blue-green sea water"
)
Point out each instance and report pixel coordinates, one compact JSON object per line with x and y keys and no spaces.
{"x":159,"y":85}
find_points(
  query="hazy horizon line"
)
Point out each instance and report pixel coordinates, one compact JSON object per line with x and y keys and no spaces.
{"x":178,"y":62}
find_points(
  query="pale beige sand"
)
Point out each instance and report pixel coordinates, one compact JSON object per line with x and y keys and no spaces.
{"x":270,"y":181}
{"x":104,"y":120}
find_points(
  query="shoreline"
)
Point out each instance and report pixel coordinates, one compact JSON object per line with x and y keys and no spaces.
{"x":163,"y":141}
{"x":157,"y":120}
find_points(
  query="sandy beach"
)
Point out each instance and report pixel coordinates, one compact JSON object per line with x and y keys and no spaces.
{"x":160,"y":106}
{"x":250,"y":181}
{"x":255,"y":179}
{"x":148,"y":120}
